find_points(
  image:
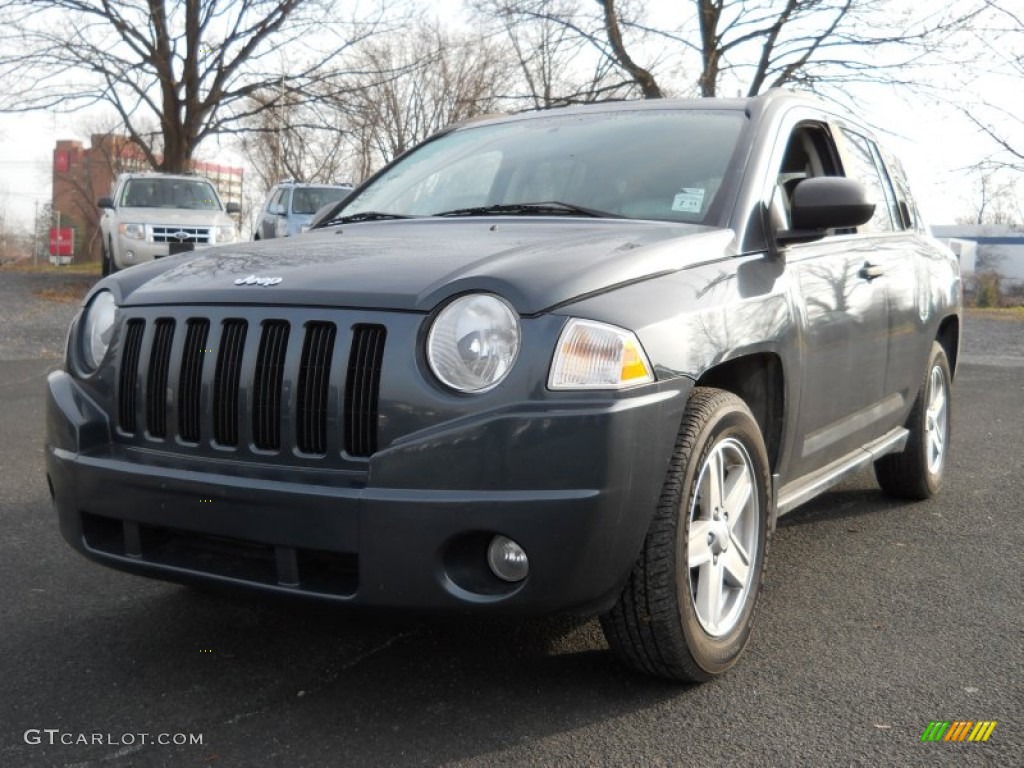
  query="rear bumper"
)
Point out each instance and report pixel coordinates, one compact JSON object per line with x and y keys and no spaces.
{"x":380,"y":537}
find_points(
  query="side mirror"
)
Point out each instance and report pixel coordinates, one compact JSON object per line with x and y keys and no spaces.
{"x":233,"y":208}
{"x":825,"y":202}
{"x":105,"y":202}
{"x":277,"y":209}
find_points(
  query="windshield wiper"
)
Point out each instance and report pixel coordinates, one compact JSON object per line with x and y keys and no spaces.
{"x":366,"y":216}
{"x":548,"y":208}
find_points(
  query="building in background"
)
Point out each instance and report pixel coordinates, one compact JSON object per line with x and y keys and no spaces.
{"x":82,"y":175}
{"x":997,"y":248}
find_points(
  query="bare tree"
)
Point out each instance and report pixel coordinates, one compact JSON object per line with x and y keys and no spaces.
{"x":415,"y":84}
{"x":192,"y":66}
{"x":554,"y":55}
{"x":301,"y":141}
{"x":995,"y":199}
{"x":1000,"y":39}
{"x":753,"y":45}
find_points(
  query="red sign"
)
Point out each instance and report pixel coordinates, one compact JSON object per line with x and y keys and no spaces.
{"x":62,"y":162}
{"x":62,"y":241}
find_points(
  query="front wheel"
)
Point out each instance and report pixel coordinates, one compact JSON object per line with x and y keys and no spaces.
{"x":688,"y":607}
{"x":916,"y":471}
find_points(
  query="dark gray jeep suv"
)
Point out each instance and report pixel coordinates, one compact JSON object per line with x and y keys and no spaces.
{"x":566,"y":361}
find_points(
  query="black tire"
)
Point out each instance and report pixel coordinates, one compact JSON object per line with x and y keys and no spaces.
{"x":916,"y":471}
{"x":105,"y":258}
{"x":655,"y":626}
{"x":109,"y":266}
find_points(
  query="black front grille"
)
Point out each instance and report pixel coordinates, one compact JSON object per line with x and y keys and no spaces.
{"x":260,"y":390}
{"x":156,"y":386}
{"x":266,"y":393}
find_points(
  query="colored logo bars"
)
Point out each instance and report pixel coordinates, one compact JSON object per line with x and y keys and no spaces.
{"x":958,"y":730}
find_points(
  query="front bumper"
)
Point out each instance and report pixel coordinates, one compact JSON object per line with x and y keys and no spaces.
{"x":144,"y":250}
{"x":574,"y":481}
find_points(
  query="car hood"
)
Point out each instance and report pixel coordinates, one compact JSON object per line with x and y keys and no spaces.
{"x":535,"y":263}
{"x":163,"y":216}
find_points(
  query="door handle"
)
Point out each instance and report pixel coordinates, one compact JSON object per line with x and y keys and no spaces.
{"x":870,"y":271}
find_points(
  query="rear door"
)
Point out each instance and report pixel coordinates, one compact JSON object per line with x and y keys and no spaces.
{"x":897,"y":254}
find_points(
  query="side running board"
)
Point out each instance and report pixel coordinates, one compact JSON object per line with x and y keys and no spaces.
{"x":805,"y":488}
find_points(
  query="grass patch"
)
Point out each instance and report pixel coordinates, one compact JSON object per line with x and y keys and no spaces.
{"x":65,"y":294}
{"x":82,"y":268}
{"x":997,"y":313}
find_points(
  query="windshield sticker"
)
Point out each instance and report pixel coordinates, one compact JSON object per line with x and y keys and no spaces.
{"x":688,"y":199}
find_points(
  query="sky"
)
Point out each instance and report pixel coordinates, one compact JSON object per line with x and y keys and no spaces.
{"x":934,"y":141}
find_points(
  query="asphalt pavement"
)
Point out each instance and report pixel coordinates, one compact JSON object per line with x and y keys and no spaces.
{"x":878,"y":618}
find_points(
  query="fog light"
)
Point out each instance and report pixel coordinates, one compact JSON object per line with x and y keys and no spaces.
{"x":507,"y":559}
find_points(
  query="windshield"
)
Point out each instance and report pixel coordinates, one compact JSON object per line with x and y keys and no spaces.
{"x":644,"y":164}
{"x":311,"y":199}
{"x":194,"y":194}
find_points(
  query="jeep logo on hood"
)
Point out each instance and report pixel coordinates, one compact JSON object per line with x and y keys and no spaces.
{"x":254,"y":280}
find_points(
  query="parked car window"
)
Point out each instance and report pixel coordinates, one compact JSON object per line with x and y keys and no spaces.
{"x":170,"y":193}
{"x":283,"y":197}
{"x":809,"y":153}
{"x":906,"y":205}
{"x":670,"y":168}
{"x":306,"y":200}
{"x":860,"y":165}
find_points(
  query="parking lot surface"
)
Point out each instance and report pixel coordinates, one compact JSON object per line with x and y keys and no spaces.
{"x":878,"y":618}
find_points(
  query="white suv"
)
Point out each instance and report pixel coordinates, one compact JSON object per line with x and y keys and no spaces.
{"x":155,"y":214}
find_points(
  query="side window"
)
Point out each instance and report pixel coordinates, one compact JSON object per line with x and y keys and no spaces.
{"x":275,"y":199}
{"x":860,"y":165}
{"x":809,"y":153}
{"x":905,"y":205}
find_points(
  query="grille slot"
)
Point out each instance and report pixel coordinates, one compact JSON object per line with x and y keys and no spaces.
{"x":190,"y":384}
{"x":267,"y":380}
{"x":156,"y":386}
{"x":313,"y":392}
{"x":225,"y":382}
{"x":128,"y":374}
{"x":362,"y":388}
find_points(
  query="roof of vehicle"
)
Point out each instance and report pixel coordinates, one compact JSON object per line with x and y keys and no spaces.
{"x":754,"y":106}
{"x":294,"y":183}
{"x":161,"y":175}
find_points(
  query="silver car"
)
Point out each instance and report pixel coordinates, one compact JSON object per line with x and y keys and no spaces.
{"x":290,"y":206}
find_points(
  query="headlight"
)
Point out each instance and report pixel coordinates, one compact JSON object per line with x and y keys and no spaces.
{"x":473,"y":342}
{"x":224,"y":233}
{"x":594,"y":355}
{"x":133,"y":231}
{"x":97,"y":328}
{"x":281,"y":226}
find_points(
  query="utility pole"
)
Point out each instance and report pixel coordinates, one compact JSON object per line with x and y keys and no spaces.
{"x":35,"y":235}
